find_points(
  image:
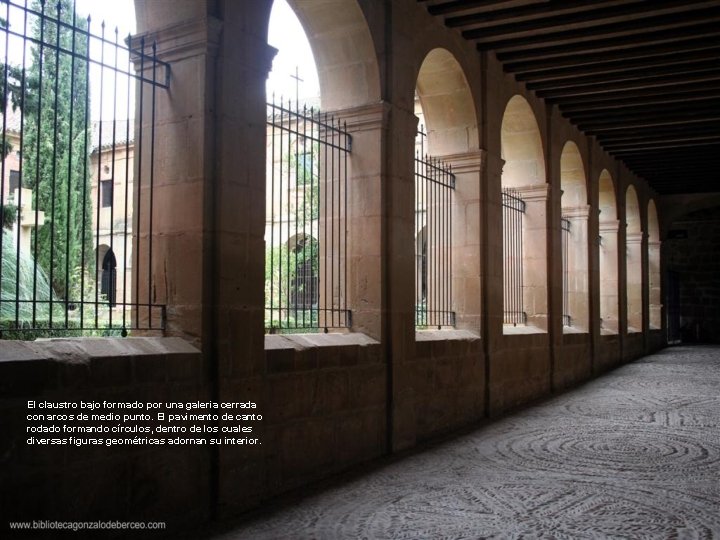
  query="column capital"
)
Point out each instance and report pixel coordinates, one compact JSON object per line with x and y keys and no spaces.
{"x":466,"y":162}
{"x":610,"y":226}
{"x":576,"y":212}
{"x":634,"y":238}
{"x":534,"y":193}
{"x":183,"y":40}
{"x":368,"y":117}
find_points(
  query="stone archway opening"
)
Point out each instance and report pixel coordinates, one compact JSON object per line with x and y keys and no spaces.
{"x":575,"y":213}
{"x":525,"y":247}
{"x":608,"y":256}
{"x":633,"y":261}
{"x":654,"y":275}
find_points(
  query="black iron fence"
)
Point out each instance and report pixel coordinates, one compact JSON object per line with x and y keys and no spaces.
{"x":513,"y":212}
{"x":72,"y":202}
{"x":565,"y":228}
{"x":434,"y":184}
{"x":306,"y":220}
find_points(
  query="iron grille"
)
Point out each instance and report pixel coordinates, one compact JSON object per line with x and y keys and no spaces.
{"x":565,"y":226}
{"x":306,"y":226}
{"x":72,"y":263}
{"x":513,"y":211}
{"x":434,"y":184}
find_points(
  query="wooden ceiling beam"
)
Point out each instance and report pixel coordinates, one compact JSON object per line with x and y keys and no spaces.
{"x":667,"y":74}
{"x":557,"y":11}
{"x":680,"y":110}
{"x":687,"y":45}
{"x":455,"y":6}
{"x":652,"y":38}
{"x":625,"y":15}
{"x":665,"y":63}
{"x":634,"y":28}
{"x":603,"y":107}
{"x":602,"y":88}
{"x":622,"y":95}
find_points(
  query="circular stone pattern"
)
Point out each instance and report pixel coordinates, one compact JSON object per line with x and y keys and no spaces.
{"x":647,"y":451}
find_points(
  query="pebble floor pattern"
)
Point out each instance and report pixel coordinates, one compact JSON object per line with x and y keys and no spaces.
{"x":633,"y":454}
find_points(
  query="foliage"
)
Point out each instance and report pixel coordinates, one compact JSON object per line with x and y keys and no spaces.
{"x":9,"y":215}
{"x":24,"y":281}
{"x":55,"y":163}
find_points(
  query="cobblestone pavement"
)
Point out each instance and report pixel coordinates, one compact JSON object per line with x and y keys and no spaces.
{"x":633,"y":454}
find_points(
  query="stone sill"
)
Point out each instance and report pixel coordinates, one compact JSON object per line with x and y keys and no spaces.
{"x":300,"y":342}
{"x":446,"y":335}
{"x":82,"y":350}
{"x":522,"y":330}
{"x":608,"y":332}
{"x":633,"y":331}
{"x":574,"y":330}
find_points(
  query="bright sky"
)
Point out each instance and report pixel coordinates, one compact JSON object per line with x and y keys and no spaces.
{"x":287,"y":35}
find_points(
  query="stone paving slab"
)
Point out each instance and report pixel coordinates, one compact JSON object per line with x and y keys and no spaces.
{"x":633,"y":454}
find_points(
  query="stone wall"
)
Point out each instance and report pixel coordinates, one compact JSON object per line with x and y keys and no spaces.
{"x":694,"y":259}
{"x":449,"y":382}
{"x":153,"y":483}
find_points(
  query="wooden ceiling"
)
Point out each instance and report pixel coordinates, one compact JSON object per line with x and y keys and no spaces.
{"x":641,"y":76}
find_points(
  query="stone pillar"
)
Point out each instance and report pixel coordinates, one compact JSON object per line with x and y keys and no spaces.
{"x":654,"y":285}
{"x":634,"y":281}
{"x":578,"y":264}
{"x":492,"y":220}
{"x":609,"y":282}
{"x":535,"y":255}
{"x":368,"y":126}
{"x":467,"y":239}
{"x":180,"y":275}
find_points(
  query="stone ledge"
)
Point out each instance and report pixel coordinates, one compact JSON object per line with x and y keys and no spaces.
{"x":446,"y":335}
{"x":301,"y":342}
{"x":83,"y":350}
{"x":522,"y":330}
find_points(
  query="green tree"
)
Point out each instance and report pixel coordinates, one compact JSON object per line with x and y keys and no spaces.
{"x":55,"y":153}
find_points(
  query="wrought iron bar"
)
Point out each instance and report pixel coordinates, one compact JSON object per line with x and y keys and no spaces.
{"x":54,"y":278}
{"x":566,"y":232}
{"x":513,"y":211}
{"x":306,"y":220}
{"x":434,"y":183}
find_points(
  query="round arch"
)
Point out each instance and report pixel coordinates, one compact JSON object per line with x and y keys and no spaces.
{"x":607,"y":200}
{"x":608,"y":255}
{"x":447,"y":104}
{"x":574,"y":243}
{"x":654,"y":275}
{"x":521,"y":145}
{"x":632,"y":211}
{"x":344,"y":51}
{"x":572,"y":176}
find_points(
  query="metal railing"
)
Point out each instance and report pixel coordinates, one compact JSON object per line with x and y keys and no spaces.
{"x":565,"y":229}
{"x":434,"y":184}
{"x":513,"y":212}
{"x":72,"y":260}
{"x":306,"y":220}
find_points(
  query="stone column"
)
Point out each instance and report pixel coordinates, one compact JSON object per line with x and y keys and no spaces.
{"x":535,"y":255}
{"x":180,"y":275}
{"x":634,"y":281}
{"x":578,"y":263}
{"x":609,"y":283}
{"x":654,"y":285}
{"x":467,"y":239}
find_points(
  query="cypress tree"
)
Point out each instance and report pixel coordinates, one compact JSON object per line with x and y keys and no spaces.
{"x":55,"y":153}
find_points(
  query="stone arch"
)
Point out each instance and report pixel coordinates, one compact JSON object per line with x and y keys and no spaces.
{"x":447,"y":104}
{"x":654,"y":276}
{"x":521,"y":145}
{"x":575,"y":213}
{"x":524,"y":172}
{"x":608,"y":254}
{"x":633,"y":261}
{"x":344,"y":51}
